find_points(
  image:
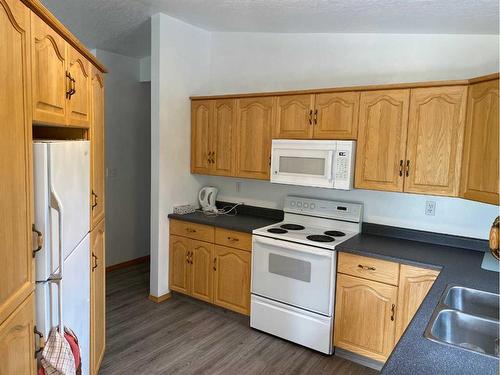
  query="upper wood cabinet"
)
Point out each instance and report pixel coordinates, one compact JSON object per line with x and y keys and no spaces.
{"x":435,"y":139}
{"x":201,"y":114}
{"x":49,"y":81}
{"x":232,"y":279}
{"x":294,"y":116}
{"x":414,"y":284}
{"x":97,"y":297}
{"x":97,"y":145}
{"x":336,"y":115}
{"x":381,"y":148}
{"x":17,"y":346}
{"x":480,"y":160}
{"x":221,"y":139}
{"x":61,"y":79}
{"x":79,"y":101}
{"x":212,"y":123}
{"x":254,"y":122}
{"x":321,"y":116}
{"x":365,"y":316}
{"x":16,"y":278}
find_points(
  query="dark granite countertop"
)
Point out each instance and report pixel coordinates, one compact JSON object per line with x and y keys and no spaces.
{"x":246,"y":220}
{"x":414,"y":354}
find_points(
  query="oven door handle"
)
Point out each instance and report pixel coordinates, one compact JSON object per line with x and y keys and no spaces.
{"x":292,"y":247}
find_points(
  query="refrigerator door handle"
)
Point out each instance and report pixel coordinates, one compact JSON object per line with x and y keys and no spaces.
{"x":55,"y":203}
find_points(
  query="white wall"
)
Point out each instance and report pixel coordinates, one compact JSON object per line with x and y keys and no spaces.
{"x":246,"y":62}
{"x":179,"y":68}
{"x":242,"y":62}
{"x":189,"y":61}
{"x":127,"y":116}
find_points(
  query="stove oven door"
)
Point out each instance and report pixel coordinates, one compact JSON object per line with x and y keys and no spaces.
{"x":295,"y":274}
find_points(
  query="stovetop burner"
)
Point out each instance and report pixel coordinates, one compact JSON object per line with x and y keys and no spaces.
{"x":292,"y":226}
{"x":277,"y":230}
{"x":335,"y":233}
{"x":320,"y":238}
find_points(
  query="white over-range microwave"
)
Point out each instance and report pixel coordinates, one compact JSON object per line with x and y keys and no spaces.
{"x":318,"y":163}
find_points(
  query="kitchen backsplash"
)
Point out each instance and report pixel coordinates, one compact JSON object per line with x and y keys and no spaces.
{"x":452,"y":215}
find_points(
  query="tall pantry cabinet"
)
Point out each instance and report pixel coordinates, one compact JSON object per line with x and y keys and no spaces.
{"x":51,"y":87}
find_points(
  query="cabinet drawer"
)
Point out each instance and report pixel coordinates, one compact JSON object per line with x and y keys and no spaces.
{"x":192,"y":230}
{"x":369,"y":268}
{"x":233,"y":238}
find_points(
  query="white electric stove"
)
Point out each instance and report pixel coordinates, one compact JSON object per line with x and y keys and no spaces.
{"x":294,"y":270}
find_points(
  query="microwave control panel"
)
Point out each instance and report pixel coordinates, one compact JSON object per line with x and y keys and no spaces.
{"x":343,"y":165}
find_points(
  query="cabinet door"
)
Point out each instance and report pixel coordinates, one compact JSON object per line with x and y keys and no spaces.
{"x":17,"y":342}
{"x":232,"y":279}
{"x":98,"y":298}
{"x":336,"y":115}
{"x":414,"y":284}
{"x":201,"y":118}
{"x":294,"y":116}
{"x":97,"y":142}
{"x":383,"y":121}
{"x":254,"y":124}
{"x":49,"y":82}
{"x":179,"y":264}
{"x":16,"y":278}
{"x":222,"y":138}
{"x":435,"y":140}
{"x":202,"y":270}
{"x":79,"y":102}
{"x":365,"y":317}
{"x":480,"y":161}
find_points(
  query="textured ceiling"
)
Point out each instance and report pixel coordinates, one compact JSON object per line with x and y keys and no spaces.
{"x":123,"y":26}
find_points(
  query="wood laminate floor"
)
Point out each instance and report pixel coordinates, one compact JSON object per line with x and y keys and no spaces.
{"x":183,"y":336}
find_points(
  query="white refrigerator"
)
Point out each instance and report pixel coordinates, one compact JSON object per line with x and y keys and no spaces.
{"x":61,"y":172}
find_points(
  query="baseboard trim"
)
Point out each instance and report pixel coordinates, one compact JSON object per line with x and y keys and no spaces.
{"x":160,"y":299}
{"x":362,"y":360}
{"x":128,"y":263}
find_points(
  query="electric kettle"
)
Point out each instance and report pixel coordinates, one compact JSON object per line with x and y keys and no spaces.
{"x":206,"y":197}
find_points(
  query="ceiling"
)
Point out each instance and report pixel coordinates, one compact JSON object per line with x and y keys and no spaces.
{"x":123,"y":26}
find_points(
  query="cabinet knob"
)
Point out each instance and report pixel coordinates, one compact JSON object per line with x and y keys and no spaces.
{"x":215,"y":263}
{"x":393,"y":311}
{"x":95,"y":262}
{"x":366,"y":268}
{"x":310,"y":117}
{"x":407,"y":168}
{"x":233,"y":239}
{"x":401,"y":168}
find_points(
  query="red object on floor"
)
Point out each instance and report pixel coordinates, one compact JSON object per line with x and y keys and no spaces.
{"x":75,"y":349}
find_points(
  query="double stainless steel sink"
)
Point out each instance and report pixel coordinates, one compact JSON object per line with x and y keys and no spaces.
{"x":467,"y":318}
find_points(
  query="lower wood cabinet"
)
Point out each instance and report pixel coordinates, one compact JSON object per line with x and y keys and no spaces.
{"x":372,"y":310}
{"x":17,"y":345}
{"x":232,"y":279}
{"x":365,"y":316}
{"x":414,"y":284}
{"x":217,"y":273}
{"x":97,"y":297}
{"x":201,"y":265}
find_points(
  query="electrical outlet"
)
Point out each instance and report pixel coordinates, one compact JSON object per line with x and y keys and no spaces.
{"x":430,"y":208}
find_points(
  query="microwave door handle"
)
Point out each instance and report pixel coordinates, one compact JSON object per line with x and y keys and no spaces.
{"x":330,"y":164}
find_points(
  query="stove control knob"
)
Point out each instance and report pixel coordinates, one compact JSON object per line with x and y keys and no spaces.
{"x":299,"y":204}
{"x":312,"y":206}
{"x":306,"y":205}
{"x":292,"y":204}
